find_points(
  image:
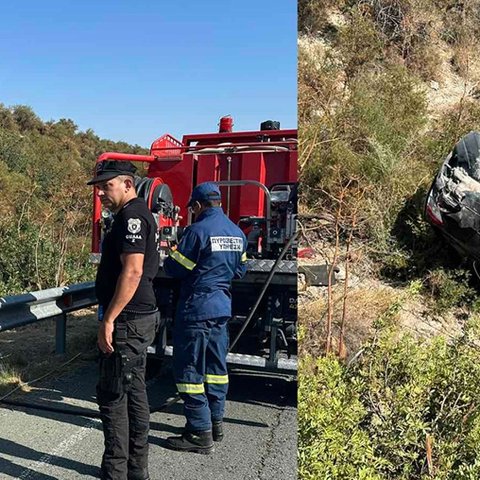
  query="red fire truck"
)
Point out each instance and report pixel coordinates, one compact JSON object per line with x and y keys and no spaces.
{"x":257,"y":174}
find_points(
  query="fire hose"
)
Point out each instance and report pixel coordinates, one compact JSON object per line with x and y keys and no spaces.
{"x":82,"y":412}
{"x":79,"y":411}
{"x":264,"y":289}
{"x":170,"y":401}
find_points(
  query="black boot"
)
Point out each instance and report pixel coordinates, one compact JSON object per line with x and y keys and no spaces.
{"x":198,"y":442}
{"x":217,"y":431}
{"x":135,"y":475}
{"x":139,"y":474}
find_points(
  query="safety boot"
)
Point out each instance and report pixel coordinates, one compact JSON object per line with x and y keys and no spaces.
{"x":132,"y":475}
{"x":217,"y":431}
{"x":198,"y":442}
{"x":138,"y":474}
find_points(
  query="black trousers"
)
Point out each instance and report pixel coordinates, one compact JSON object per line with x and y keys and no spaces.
{"x":122,"y":397}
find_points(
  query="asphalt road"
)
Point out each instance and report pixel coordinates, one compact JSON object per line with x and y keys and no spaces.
{"x":260,"y":427}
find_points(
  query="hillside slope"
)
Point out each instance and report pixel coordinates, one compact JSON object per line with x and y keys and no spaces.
{"x":386,"y":88}
{"x":45,"y":203}
{"x":389,"y":380}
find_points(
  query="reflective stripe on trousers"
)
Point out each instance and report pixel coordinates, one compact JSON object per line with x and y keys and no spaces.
{"x":199,"y":359}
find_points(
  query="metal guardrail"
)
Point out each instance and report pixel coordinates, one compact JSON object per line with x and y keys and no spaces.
{"x":53,"y":303}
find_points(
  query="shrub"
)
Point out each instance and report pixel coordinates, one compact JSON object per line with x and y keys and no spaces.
{"x":45,"y":205}
{"x":450,"y":288}
{"x":359,"y":44}
{"x":331,"y":444}
{"x":373,"y":137}
{"x":372,"y":420}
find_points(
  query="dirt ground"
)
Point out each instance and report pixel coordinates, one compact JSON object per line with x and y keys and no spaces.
{"x":367,"y":300}
{"x":29,"y":352}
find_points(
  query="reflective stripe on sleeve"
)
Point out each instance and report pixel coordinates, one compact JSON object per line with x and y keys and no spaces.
{"x":218,"y":379}
{"x":182,"y":260}
{"x":192,"y":388}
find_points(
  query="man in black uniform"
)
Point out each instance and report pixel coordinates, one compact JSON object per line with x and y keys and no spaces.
{"x":128,"y":315}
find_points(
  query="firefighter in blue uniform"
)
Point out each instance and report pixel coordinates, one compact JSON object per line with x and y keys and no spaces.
{"x":211,"y":252}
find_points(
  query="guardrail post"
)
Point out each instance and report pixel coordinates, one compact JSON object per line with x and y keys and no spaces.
{"x":60,"y":334}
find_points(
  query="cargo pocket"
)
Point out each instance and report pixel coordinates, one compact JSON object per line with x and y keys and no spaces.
{"x":110,"y":374}
{"x":141,"y":333}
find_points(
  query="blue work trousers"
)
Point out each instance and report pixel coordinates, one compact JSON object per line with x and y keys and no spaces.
{"x":200,"y":367}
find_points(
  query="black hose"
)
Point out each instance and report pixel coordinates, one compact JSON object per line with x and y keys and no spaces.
{"x":71,"y":411}
{"x":264,"y":289}
{"x":80,"y":412}
{"x":166,"y":404}
{"x":171,"y":401}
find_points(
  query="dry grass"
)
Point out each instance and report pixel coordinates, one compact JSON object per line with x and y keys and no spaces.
{"x":29,"y":352}
{"x":11,"y":379}
{"x":364,"y":306}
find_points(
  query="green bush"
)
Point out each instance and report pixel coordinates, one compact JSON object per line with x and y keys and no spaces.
{"x":373,"y":137}
{"x":372,"y":420}
{"x":359,"y":44}
{"x":331,"y":444}
{"x":45,"y":206}
{"x":450,"y":288}
{"x":32,"y":259}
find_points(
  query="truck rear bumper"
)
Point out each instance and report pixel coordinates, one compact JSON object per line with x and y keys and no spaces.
{"x":287,"y":365}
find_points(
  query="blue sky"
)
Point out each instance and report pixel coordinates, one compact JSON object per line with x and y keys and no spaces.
{"x":133,"y":70}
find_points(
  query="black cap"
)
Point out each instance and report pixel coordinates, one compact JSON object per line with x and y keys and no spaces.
{"x":109,"y":169}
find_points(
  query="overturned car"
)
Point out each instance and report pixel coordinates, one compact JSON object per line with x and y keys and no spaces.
{"x":453,"y":202}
